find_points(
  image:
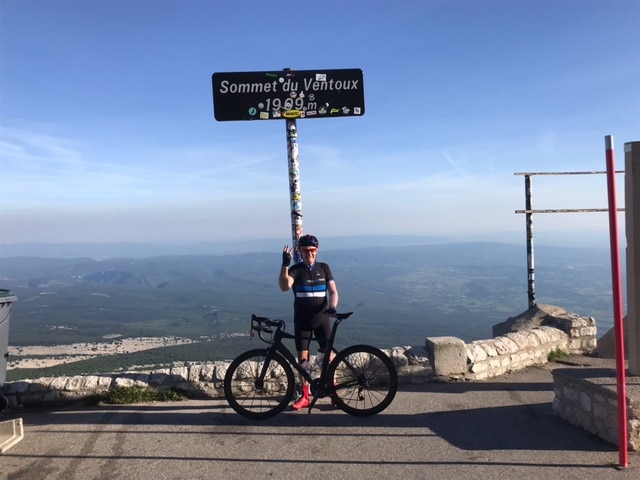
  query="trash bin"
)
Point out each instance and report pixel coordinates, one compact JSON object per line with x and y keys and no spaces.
{"x":6,"y":300}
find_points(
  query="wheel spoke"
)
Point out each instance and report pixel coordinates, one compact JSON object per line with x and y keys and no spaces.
{"x":365,"y":380}
{"x":255,"y":397}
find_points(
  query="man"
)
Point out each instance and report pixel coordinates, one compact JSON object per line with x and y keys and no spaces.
{"x":316,"y":298}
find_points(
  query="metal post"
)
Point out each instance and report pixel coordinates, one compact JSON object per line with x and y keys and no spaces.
{"x":529,"y":211}
{"x":531,"y":283}
{"x":632,"y":222}
{"x":294,"y":186}
{"x":617,"y":303}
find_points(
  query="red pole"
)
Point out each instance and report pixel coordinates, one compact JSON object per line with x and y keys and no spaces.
{"x":617,"y":303}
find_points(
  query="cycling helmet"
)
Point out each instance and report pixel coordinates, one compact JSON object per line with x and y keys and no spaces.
{"x":308,"y":241}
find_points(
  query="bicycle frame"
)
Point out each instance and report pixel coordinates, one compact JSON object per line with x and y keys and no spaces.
{"x":276,"y":346}
{"x":361,"y":380}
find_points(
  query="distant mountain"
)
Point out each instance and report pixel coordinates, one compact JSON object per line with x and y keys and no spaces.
{"x":401,"y":294}
{"x":144,"y":250}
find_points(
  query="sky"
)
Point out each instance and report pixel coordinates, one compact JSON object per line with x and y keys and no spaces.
{"x":107,"y":132}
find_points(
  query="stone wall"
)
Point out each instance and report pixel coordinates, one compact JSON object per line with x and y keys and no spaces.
{"x":587,"y":397}
{"x":199,"y":380}
{"x":514,"y":351}
{"x":519,"y":342}
{"x":581,"y":331}
{"x":441,"y":359}
{"x":482,"y":359}
{"x":581,"y":401}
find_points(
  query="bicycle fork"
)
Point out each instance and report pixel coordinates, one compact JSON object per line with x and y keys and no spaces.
{"x":265,"y":368}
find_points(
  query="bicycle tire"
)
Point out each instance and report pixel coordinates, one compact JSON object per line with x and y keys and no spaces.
{"x":252,"y":400}
{"x":365,"y":380}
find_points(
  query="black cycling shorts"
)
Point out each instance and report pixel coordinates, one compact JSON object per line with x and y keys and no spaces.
{"x":318,"y":324}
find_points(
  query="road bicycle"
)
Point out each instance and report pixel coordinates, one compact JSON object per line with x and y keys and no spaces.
{"x":361,"y":380}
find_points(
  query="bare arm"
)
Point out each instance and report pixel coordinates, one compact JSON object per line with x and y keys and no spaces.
{"x":333,"y":294}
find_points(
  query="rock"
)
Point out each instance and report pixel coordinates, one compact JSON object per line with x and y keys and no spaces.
{"x":538,"y":316}
{"x":447,"y":355}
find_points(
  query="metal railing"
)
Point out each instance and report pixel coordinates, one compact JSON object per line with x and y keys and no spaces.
{"x":529,"y":211}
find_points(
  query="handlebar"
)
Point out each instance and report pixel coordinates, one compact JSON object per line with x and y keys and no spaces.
{"x":265,"y":326}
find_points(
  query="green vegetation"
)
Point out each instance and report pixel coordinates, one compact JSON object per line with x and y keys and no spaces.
{"x":399,"y":296}
{"x":147,"y":359}
{"x":136,"y":394}
{"x":557,"y":354}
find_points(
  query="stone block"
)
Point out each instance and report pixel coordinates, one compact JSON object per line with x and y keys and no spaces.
{"x":208,"y":371}
{"x":447,"y":355}
{"x":476,"y":353}
{"x":194,"y":373}
{"x":16,"y":387}
{"x":157,"y":378}
{"x":182,"y":372}
{"x":104,"y":383}
{"x":124,"y":382}
{"x":417,"y":356}
{"x":58,"y":383}
{"x":221,"y":371}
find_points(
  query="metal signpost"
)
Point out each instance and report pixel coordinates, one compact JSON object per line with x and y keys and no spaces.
{"x":633,"y":293}
{"x":288,"y":95}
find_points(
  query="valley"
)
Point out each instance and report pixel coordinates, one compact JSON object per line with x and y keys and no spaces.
{"x":86,"y":315}
{"x":43,"y":356}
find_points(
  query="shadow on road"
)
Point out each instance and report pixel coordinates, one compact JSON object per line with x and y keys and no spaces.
{"x":453,"y":411}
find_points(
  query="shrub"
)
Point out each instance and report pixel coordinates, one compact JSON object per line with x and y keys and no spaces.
{"x":557,"y":354}
{"x":136,"y":394}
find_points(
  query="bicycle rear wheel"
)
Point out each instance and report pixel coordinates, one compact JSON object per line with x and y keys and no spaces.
{"x":253,"y":397}
{"x":365,"y":380}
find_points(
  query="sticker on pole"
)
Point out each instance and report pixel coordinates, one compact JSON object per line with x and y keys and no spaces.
{"x":288,"y":94}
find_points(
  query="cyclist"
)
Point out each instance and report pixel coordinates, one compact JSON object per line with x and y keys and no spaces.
{"x":316,"y":298}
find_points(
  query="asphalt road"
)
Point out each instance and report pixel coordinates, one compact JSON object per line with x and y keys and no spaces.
{"x":498,"y":429}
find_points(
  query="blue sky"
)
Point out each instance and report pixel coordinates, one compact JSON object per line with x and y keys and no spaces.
{"x":107,"y":131}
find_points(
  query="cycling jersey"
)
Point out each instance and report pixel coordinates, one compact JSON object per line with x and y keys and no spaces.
{"x":310,"y":287}
{"x":310,"y":291}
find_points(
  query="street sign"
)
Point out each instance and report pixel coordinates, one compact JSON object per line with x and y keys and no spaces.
{"x":288,"y":94}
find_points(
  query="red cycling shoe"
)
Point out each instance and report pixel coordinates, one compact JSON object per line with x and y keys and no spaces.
{"x":303,"y":402}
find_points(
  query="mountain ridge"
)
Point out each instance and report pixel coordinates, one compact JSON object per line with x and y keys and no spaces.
{"x":400,"y":295}
{"x":263,"y":245}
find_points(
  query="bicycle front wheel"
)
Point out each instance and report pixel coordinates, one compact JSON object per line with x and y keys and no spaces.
{"x":255,"y":396}
{"x":365,"y":380}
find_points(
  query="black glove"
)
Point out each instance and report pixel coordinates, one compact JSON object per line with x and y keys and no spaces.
{"x":330,"y":311}
{"x":286,"y":259}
